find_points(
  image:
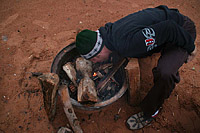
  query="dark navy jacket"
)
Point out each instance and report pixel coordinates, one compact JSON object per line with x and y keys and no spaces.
{"x":142,"y":33}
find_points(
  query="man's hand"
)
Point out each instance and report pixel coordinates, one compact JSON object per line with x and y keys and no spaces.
{"x":192,"y":55}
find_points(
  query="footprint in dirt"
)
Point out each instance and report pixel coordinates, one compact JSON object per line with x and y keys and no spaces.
{"x":42,"y":24}
{"x":9,"y":20}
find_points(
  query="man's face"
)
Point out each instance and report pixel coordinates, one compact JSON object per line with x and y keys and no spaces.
{"x":101,"y":57}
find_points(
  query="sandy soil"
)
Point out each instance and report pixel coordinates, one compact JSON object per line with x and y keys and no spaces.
{"x":33,"y":32}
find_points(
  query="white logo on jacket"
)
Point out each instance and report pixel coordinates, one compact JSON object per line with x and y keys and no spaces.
{"x":149,"y":34}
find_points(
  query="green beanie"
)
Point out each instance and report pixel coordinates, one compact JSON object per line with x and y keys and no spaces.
{"x":88,"y":43}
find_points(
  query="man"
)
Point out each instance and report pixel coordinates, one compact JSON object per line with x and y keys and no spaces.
{"x":139,"y":35}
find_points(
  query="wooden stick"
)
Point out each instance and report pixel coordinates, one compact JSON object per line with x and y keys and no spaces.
{"x":104,"y":81}
{"x":86,"y":88}
{"x":133,"y":71}
{"x":71,"y":72}
{"x":49,"y":83}
{"x":69,"y":111}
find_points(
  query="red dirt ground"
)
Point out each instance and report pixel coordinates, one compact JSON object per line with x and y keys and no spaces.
{"x":33,"y":32}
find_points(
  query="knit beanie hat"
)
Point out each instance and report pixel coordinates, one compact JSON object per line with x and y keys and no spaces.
{"x":89,"y":43}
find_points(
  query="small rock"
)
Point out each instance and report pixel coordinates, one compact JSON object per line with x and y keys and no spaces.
{"x":116,"y":117}
{"x":4,"y":38}
{"x":10,"y":65}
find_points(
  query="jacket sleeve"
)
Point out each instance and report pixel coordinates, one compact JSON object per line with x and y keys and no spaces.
{"x":156,"y":35}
